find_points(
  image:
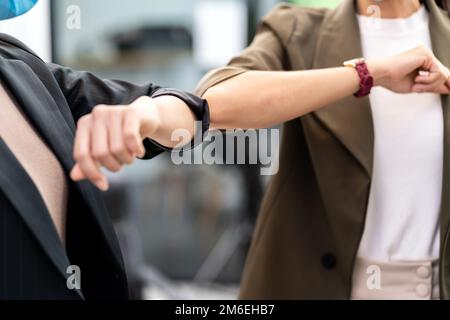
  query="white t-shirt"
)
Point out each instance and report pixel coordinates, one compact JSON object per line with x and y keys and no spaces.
{"x":402,"y":222}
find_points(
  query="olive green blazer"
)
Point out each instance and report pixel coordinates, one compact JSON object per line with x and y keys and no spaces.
{"x":313,"y":214}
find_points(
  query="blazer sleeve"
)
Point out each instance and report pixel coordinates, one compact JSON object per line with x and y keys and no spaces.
{"x":267,"y":52}
{"x":83,"y":91}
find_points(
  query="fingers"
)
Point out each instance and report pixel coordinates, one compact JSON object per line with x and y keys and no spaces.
{"x":434,"y":83}
{"x":77,"y":173}
{"x":132,"y":137}
{"x":428,"y":78}
{"x":434,"y":80}
{"x":109,"y":137}
{"x":100,"y":147}
{"x":444,"y":89}
{"x":448,"y":78}
{"x":429,"y":83}
{"x":116,"y":140}
{"x":422,"y":88}
{"x":86,"y":167}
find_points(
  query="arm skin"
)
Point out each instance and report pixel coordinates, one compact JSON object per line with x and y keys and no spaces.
{"x":268,"y":98}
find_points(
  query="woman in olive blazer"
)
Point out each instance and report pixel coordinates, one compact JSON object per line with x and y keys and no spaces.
{"x":313,"y":215}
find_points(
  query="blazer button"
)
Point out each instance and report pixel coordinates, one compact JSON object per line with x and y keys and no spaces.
{"x":329,"y":261}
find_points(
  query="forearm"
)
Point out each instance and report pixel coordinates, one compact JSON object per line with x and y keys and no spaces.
{"x":259,"y":99}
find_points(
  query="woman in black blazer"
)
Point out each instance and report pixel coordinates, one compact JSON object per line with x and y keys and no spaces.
{"x":36,"y":262}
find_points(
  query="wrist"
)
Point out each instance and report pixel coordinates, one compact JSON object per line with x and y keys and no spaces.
{"x":148,"y":116}
{"x":379,"y":71}
{"x":366,"y":81}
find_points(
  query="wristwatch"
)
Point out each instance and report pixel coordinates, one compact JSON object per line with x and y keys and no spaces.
{"x":366,"y":80}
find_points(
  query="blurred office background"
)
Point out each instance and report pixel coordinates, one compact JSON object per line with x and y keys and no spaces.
{"x":184,"y":230}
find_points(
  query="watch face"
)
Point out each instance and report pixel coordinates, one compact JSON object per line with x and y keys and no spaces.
{"x":354,"y":62}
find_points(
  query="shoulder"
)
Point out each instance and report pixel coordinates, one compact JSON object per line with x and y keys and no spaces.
{"x":289,"y":19}
{"x":16,"y":46}
{"x":14,"y":51}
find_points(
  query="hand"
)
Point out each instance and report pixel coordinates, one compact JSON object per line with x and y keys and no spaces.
{"x":401,"y":73}
{"x":112,"y":136}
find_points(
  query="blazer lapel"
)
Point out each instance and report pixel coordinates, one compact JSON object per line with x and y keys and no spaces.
{"x":42,"y":111}
{"x":440,"y":30}
{"x":341,"y":139}
{"x":21,"y":191}
{"x":350,"y":119}
{"x":33,"y":97}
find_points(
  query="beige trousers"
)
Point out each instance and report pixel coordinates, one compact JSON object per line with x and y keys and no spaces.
{"x":395,"y":280}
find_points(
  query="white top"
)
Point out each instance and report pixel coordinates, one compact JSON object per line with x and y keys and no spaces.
{"x":402,"y":221}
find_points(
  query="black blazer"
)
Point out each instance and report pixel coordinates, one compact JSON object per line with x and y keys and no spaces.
{"x":33,"y":262}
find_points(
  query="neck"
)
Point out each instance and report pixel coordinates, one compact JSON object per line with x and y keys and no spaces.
{"x":388,"y":9}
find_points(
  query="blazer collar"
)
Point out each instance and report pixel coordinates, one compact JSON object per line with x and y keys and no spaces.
{"x":350,"y":119}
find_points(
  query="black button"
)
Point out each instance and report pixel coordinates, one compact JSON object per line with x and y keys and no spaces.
{"x":329,"y":261}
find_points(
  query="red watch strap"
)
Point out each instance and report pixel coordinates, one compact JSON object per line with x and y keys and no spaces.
{"x":366,"y":80}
